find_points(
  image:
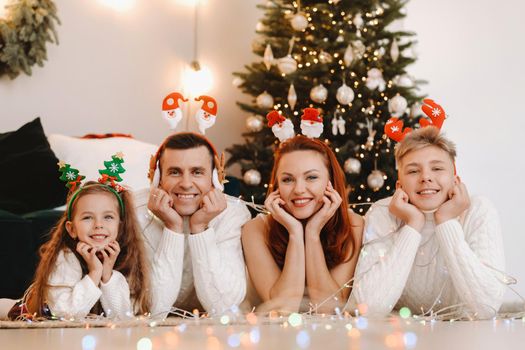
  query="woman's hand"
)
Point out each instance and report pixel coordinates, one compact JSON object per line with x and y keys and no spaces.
{"x":273,"y":204}
{"x":331,"y":202}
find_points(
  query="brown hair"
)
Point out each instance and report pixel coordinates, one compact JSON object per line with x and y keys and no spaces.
{"x":131,"y":261}
{"x":336,"y":236}
{"x":423,"y":137}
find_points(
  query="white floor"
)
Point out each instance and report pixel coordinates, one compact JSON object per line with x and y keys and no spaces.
{"x":315,"y":333}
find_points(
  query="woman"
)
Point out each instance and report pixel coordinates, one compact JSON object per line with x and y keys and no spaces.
{"x":310,"y":242}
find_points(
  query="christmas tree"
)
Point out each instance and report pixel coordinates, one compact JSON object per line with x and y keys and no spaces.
{"x":113,"y":169}
{"x":70,"y":176}
{"x":344,"y":58}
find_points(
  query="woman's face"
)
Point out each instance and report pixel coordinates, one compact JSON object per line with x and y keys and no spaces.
{"x":302,"y":177}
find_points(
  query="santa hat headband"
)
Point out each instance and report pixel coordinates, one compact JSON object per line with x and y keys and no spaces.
{"x":436,"y":113}
{"x":109,"y":177}
{"x":205,"y":115}
{"x":283,"y":128}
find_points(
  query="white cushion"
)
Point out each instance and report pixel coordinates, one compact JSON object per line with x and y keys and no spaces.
{"x":88,"y":156}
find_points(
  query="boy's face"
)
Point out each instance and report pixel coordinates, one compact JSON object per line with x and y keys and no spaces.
{"x":427,"y":176}
{"x":186,"y":176}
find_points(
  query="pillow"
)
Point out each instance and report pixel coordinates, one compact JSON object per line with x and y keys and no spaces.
{"x":29,"y":177}
{"x":88,"y":156}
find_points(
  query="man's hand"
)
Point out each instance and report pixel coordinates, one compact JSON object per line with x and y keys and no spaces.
{"x":161,"y":204}
{"x":459,"y":201}
{"x":408,"y":213}
{"x":213,"y":203}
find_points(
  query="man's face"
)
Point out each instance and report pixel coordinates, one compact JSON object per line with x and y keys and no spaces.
{"x":186,"y":176}
{"x":427,"y":176}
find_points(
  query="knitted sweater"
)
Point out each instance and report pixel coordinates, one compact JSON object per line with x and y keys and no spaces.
{"x":453,"y":263}
{"x":73,"y":295}
{"x":190,"y":270}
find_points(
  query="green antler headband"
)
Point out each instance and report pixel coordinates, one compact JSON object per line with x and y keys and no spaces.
{"x":109,"y":178}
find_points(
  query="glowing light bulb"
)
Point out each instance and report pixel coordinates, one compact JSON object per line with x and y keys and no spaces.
{"x":197,"y":80}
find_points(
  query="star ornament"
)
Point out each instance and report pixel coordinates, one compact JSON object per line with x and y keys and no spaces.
{"x":119,"y":155}
{"x":61,"y":164}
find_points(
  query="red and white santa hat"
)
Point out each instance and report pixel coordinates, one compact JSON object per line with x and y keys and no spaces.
{"x":312,"y":115}
{"x":209,"y":104}
{"x":274,"y":117}
{"x":172,"y":101}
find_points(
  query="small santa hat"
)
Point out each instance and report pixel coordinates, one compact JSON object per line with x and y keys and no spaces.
{"x":172,"y":101}
{"x":209,"y":105}
{"x":312,"y":114}
{"x":274,"y":117}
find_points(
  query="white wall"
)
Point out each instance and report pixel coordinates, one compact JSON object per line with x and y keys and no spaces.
{"x":472,"y":54}
{"x":111,"y":71}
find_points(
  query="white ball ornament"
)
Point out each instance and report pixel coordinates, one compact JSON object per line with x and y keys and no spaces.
{"x":237,"y":81}
{"x":264,"y":101}
{"x":397,"y":105}
{"x":252,"y":177}
{"x":345,"y":95}
{"x":254,"y":123}
{"x":287,"y":65}
{"x":375,"y":180}
{"x":299,"y":22}
{"x":352,"y":166}
{"x":318,"y":93}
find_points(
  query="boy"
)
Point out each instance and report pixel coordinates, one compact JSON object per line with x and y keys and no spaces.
{"x":430,"y":246}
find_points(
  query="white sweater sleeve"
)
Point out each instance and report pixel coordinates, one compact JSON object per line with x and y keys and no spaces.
{"x":218,"y":263}
{"x":470,"y":252}
{"x":166,"y":272}
{"x":385,"y":261}
{"x":115,"y":298}
{"x":70,"y":294}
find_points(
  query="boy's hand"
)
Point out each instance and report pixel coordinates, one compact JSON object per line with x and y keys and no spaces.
{"x":408,"y":213}
{"x":213,"y":203}
{"x":161,"y":205}
{"x":459,"y":201}
{"x":109,"y":257}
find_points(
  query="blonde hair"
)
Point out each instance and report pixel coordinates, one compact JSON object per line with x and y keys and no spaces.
{"x":424,"y":137}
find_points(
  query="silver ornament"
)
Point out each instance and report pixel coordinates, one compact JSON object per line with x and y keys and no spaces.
{"x":237,"y":81}
{"x":403,"y":81}
{"x":260,"y":26}
{"x":359,"y":48}
{"x":358,"y":20}
{"x":299,"y":22}
{"x":264,"y":101}
{"x":397,"y":105}
{"x":352,"y":166}
{"x":375,"y":180}
{"x":254,"y":123}
{"x":318,"y":93}
{"x":394,"y":51}
{"x":287,"y":65}
{"x":268,"y":57}
{"x":349,"y":55}
{"x":292,"y":97}
{"x":252,"y":177}
{"x":345,"y":95}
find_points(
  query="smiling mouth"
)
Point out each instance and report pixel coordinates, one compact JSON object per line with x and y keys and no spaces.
{"x":98,"y":237}
{"x":427,"y":192}
{"x":301,"y":202}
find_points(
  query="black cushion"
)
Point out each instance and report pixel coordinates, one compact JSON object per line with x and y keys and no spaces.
{"x":29,"y":179}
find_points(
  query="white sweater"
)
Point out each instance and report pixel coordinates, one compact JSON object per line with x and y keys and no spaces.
{"x":444,"y":265}
{"x":73,"y":295}
{"x":190,"y":270}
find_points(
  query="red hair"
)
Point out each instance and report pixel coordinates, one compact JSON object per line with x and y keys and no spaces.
{"x":336,"y":236}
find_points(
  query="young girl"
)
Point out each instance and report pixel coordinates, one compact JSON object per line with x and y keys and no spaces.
{"x":93,"y":262}
{"x":309,"y":243}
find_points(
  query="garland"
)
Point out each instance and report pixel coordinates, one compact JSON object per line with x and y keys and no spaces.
{"x":24,"y":31}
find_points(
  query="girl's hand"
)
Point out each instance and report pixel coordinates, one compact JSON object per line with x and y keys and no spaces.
{"x":331,"y":202}
{"x":89,"y":254}
{"x":109,"y":254}
{"x":273,"y":204}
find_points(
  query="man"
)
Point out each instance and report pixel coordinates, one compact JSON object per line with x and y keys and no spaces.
{"x":192,"y":230}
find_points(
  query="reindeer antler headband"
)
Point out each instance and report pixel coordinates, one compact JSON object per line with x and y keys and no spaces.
{"x":109,"y":178}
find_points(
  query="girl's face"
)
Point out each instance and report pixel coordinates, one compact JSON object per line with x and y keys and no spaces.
{"x":302,"y":177}
{"x":95,"y":219}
